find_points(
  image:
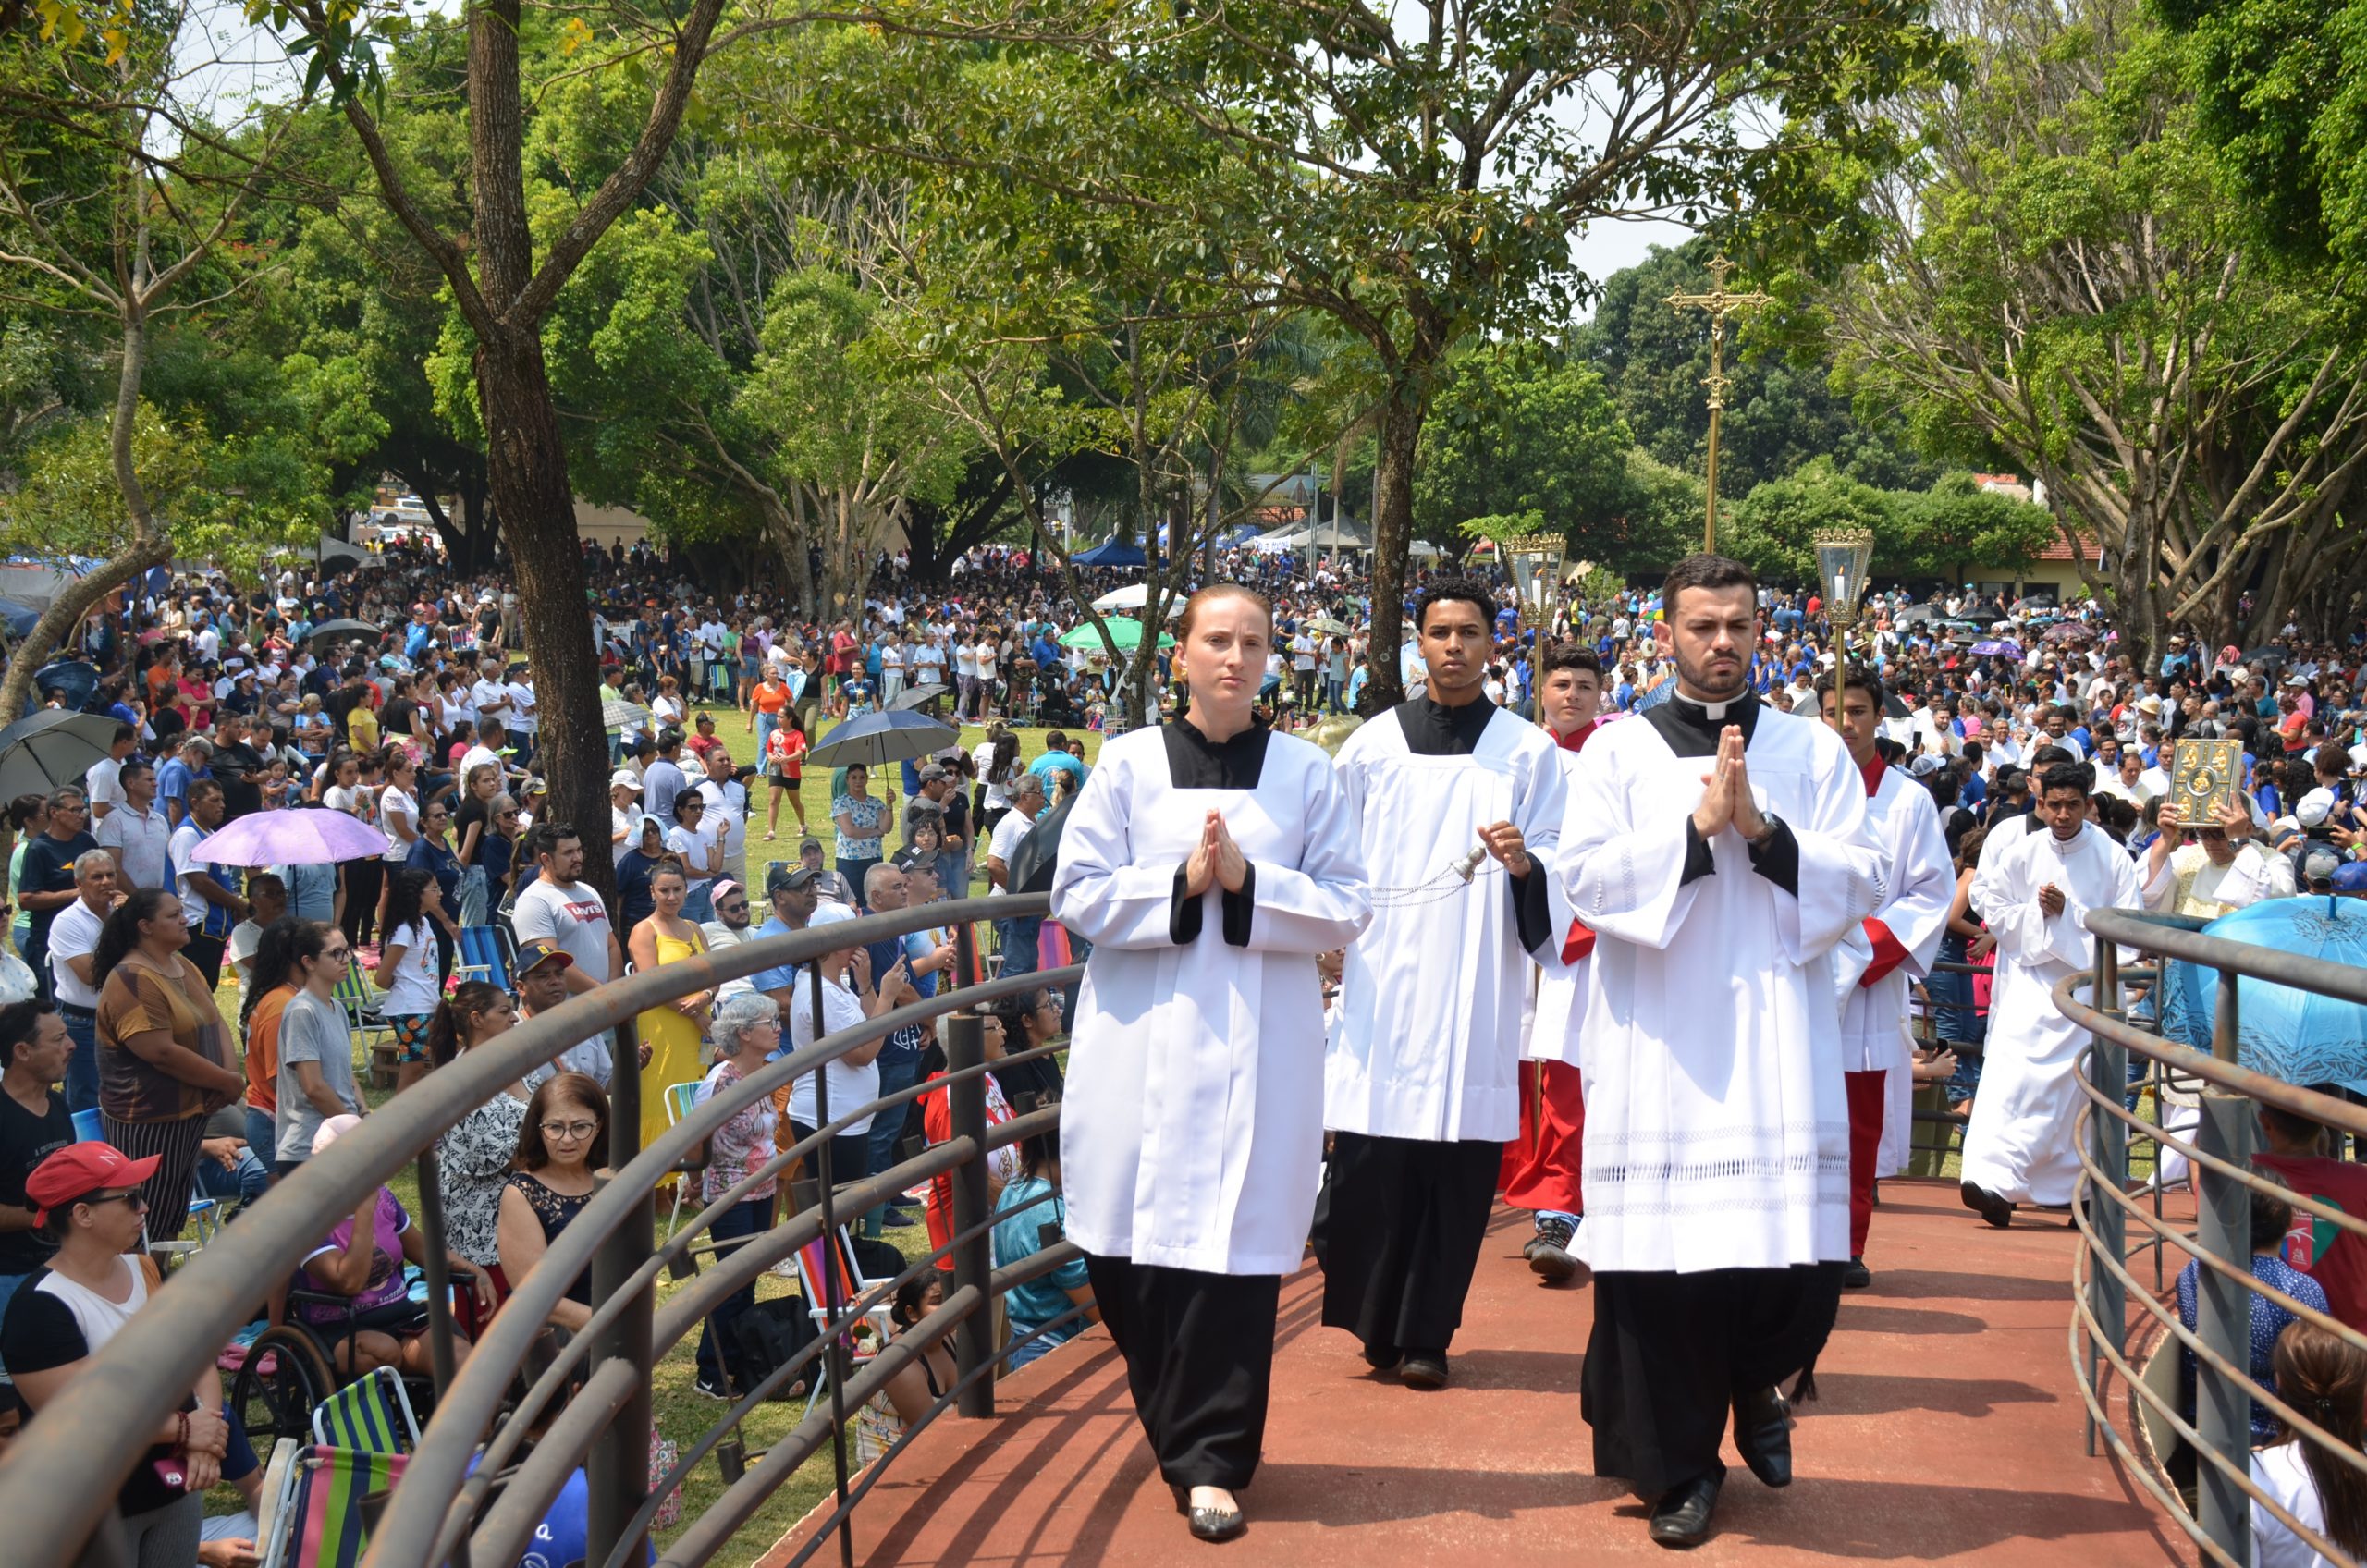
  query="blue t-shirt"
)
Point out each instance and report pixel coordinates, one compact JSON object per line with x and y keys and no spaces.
{"x":1046,"y":1297}
{"x":1056,"y":762}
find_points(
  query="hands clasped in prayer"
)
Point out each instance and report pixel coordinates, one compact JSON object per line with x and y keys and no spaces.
{"x":1216,"y":860}
{"x":1726,"y":800}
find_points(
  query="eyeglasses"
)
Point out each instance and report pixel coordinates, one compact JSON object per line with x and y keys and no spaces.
{"x":336,"y":955}
{"x":570,"y":1130}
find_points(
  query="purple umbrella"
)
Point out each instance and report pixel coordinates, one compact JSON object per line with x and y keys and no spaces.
{"x":1995,"y":649}
{"x":292,"y":837}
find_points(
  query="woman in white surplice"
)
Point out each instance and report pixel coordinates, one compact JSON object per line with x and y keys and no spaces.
{"x":1208,"y":862}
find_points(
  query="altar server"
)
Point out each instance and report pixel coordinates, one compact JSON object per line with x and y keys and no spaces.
{"x":2018,"y":1147}
{"x":1719,"y":849}
{"x":1897,"y":946}
{"x":1540,"y":1169}
{"x":1458,"y":809}
{"x":1208,"y":862}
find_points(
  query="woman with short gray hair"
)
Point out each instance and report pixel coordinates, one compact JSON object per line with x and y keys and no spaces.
{"x":747,"y":1030}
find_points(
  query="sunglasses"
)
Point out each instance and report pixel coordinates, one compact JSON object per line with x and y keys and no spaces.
{"x":135,"y":1197}
{"x":733,"y":909}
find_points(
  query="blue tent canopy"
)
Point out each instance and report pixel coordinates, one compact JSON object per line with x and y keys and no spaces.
{"x":1110,"y":553}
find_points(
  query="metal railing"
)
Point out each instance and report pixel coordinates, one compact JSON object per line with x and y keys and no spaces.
{"x":489,"y":1464}
{"x":2109,"y":1339}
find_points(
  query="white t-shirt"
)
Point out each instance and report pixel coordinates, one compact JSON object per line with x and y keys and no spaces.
{"x":103,"y":784}
{"x":986,"y":654}
{"x":522,"y":706}
{"x":2281,"y":1473}
{"x":727,"y":812}
{"x":965,"y":660}
{"x":849,"y":1085}
{"x":414,"y":993}
{"x":695,"y":845}
{"x":570,"y":914}
{"x":73,"y":934}
{"x":391,"y":803}
{"x":186,"y":838}
{"x":1009,"y":834}
{"x":624,"y":824}
{"x":141,"y":845}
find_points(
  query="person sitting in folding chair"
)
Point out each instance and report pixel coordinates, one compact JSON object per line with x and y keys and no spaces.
{"x":354,"y":1289}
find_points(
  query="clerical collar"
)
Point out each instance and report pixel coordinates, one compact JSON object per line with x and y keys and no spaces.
{"x":1692,"y":728}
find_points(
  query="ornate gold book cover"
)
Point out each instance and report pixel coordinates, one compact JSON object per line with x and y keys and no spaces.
{"x":2204,"y":776}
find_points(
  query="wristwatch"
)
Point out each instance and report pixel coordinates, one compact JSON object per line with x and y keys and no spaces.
{"x":1773,"y":822}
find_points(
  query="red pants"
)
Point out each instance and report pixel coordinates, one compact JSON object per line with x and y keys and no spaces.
{"x":1540,"y":1168}
{"x":1868,"y":1091}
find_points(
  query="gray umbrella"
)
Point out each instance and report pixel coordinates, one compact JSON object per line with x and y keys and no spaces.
{"x":53,"y":747}
{"x":361,"y":628}
{"x":919,"y":696}
{"x":879,"y":738}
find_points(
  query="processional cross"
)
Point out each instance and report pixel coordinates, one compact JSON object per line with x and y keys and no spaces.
{"x":1720,"y":304}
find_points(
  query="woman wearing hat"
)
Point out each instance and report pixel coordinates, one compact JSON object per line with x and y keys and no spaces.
{"x":89,"y":1197}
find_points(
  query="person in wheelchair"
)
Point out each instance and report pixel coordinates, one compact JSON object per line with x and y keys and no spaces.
{"x":352,"y":1290}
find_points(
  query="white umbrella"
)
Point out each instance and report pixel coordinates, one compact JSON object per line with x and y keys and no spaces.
{"x":1133,"y":596}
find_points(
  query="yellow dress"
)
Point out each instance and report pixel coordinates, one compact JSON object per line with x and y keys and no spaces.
{"x":673,"y":1042}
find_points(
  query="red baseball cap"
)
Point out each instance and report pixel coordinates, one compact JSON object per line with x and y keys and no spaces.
{"x":79,"y":1168}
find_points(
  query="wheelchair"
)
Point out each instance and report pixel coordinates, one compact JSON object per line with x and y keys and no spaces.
{"x":290,"y":1367}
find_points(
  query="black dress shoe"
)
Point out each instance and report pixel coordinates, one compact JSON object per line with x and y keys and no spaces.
{"x":1383,"y":1358}
{"x":1857,"y":1276}
{"x":1763,"y":1435}
{"x":1681,"y":1518}
{"x":1423,"y":1370}
{"x":1207,"y":1523}
{"x":1986,"y":1203}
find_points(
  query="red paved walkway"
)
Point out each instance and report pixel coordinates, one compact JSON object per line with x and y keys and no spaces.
{"x":1948,"y":1431}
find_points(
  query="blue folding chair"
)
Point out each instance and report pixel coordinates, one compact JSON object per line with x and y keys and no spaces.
{"x":86,"y":1127}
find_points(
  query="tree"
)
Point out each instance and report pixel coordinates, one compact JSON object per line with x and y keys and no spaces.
{"x":1773,"y":528}
{"x":116,"y":192}
{"x":1423,"y":166}
{"x":1521,"y":435}
{"x":1781,"y":410}
{"x":2061,"y":274}
{"x":504,"y":272}
{"x":1955,"y":528}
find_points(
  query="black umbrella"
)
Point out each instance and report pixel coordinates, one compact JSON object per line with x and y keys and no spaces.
{"x":54,"y":747}
{"x":878,"y":738}
{"x":342,"y":629}
{"x":912,"y":697}
{"x":1894,"y":707}
{"x":1039,"y":854}
{"x":2267,"y":655}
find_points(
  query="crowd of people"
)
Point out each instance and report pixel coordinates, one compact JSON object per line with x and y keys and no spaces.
{"x":1986,"y":770}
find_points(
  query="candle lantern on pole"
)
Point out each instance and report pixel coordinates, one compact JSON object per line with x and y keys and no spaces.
{"x":1843,"y":558}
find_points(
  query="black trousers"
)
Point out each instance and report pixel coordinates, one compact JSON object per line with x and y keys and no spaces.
{"x":1199,"y":1352}
{"x":206,"y":953}
{"x":1670,"y":1353}
{"x":1399,"y":1232}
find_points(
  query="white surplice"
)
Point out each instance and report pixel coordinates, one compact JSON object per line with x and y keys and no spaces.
{"x":1874,"y":1038}
{"x":1191,"y":1127}
{"x":2020,"y":1143}
{"x":1717,"y":1129}
{"x":1549,"y":1027}
{"x":1426,"y":1042}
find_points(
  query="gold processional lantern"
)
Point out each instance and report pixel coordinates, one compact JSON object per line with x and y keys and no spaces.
{"x":1534,"y":562}
{"x":1843,"y":558}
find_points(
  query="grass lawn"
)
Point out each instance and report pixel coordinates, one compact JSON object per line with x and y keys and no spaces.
{"x":681,"y":1412}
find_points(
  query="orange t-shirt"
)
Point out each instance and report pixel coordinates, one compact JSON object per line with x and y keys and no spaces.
{"x":770,"y":696}
{"x":262,"y":1049}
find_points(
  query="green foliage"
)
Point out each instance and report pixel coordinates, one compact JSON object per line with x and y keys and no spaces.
{"x":1919,"y":536}
{"x":1781,"y":408}
{"x":1774,"y":529}
{"x":1514,"y":434}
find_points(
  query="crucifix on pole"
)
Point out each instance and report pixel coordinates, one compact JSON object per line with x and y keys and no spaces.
{"x":1720,"y":304}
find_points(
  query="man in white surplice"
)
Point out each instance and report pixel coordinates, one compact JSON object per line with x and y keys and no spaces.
{"x":2035,"y":898}
{"x":1719,"y":849}
{"x":1897,"y":945}
{"x":1420,"y":1069}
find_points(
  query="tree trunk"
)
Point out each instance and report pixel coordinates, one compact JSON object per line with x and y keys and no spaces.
{"x":149,"y":546}
{"x":526,"y":474}
{"x":1392,"y":531}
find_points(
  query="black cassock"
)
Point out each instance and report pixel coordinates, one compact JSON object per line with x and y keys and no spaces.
{"x":1401,"y":1222}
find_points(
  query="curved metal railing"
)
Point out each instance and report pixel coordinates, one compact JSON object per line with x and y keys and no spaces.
{"x":474,"y":1490}
{"x":2216,"y":1512}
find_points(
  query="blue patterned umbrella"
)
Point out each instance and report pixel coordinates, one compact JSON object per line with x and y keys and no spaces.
{"x":2295,"y":1035}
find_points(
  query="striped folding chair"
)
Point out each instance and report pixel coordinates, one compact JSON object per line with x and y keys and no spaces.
{"x":359,"y":1001}
{"x":680,"y":1099}
{"x":811,"y":1259}
{"x":373,"y":1415}
{"x":483,"y":956}
{"x":328,"y":1526}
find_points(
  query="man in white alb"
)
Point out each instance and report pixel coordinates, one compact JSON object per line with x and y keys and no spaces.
{"x":1719,"y":849}
{"x":1458,"y":809}
{"x":2035,"y":897}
